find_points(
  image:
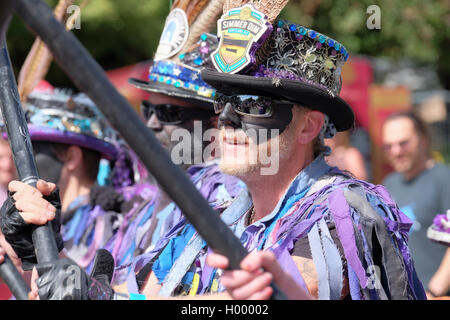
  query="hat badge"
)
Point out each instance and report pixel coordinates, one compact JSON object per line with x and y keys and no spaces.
{"x":241,"y":31}
{"x":174,"y":35}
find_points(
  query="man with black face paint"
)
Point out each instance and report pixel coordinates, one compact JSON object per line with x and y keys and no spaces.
{"x":180,"y":113}
{"x":319,"y":233}
{"x":329,"y":236}
{"x":256,"y":121}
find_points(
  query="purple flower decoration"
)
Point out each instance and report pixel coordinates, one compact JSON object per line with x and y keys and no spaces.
{"x":441,"y":222}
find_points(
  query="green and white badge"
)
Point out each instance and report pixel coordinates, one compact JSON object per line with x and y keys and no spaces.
{"x":241,"y":31}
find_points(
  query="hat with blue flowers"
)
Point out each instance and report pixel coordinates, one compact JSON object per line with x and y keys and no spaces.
{"x":184,"y":50}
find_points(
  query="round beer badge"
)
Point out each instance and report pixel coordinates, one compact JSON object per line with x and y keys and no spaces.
{"x":174,"y":35}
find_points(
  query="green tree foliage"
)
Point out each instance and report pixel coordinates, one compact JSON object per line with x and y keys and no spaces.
{"x":123,"y":32}
{"x":116,"y":32}
{"x":416,"y":29}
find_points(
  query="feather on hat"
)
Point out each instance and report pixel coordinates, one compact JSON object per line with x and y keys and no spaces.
{"x":183,"y":51}
{"x":57,"y":115}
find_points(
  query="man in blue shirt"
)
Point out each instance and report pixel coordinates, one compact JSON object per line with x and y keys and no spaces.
{"x":420,"y":187}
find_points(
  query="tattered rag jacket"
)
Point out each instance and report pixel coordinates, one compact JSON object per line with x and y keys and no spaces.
{"x":372,"y":232}
{"x":217,"y":188}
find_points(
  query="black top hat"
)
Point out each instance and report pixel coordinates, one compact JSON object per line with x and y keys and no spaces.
{"x":295,"y":64}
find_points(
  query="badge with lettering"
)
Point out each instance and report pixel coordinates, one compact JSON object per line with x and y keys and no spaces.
{"x":174,"y":35}
{"x":241,"y":31}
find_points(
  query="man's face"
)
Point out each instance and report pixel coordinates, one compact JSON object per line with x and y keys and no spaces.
{"x":403,"y":146}
{"x":165,"y":132}
{"x":245,"y":150}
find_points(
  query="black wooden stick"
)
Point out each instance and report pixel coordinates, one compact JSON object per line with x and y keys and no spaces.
{"x":22,"y":150}
{"x":8,"y":271}
{"x":13,"y":279}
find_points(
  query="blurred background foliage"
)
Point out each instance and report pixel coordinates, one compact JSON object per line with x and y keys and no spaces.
{"x":415,"y":29}
{"x":125,"y":32}
{"x":116,"y":32}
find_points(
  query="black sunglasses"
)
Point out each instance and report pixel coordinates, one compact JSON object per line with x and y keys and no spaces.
{"x":248,"y":105}
{"x":173,"y":114}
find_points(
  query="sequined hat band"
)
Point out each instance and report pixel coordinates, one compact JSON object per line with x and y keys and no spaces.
{"x":180,"y":76}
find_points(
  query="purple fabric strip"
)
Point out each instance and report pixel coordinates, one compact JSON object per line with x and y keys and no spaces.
{"x":288,"y":264}
{"x":206,"y":273}
{"x":96,"y":243}
{"x":283,"y":250}
{"x":81,"y":227}
{"x":121,"y":232}
{"x":394,"y":226}
{"x":353,"y":282}
{"x":96,"y":212}
{"x":340,"y":211}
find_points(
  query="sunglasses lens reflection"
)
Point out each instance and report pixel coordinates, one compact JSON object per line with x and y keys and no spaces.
{"x":248,"y":105}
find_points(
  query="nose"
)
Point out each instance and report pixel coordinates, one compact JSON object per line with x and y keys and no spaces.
{"x":228,"y":117}
{"x":396,"y":149}
{"x":154,"y":124}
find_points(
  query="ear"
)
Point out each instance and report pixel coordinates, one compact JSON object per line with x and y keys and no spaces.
{"x":73,"y":158}
{"x":312,"y":123}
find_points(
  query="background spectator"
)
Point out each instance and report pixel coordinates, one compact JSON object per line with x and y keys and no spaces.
{"x":345,"y":156}
{"x":419,"y":186}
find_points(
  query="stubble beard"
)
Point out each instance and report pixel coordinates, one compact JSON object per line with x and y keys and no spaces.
{"x":247,"y":168}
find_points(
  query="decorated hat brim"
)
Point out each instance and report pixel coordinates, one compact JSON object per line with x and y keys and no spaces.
{"x":40,"y":133}
{"x":306,"y":94}
{"x":158,"y":87}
